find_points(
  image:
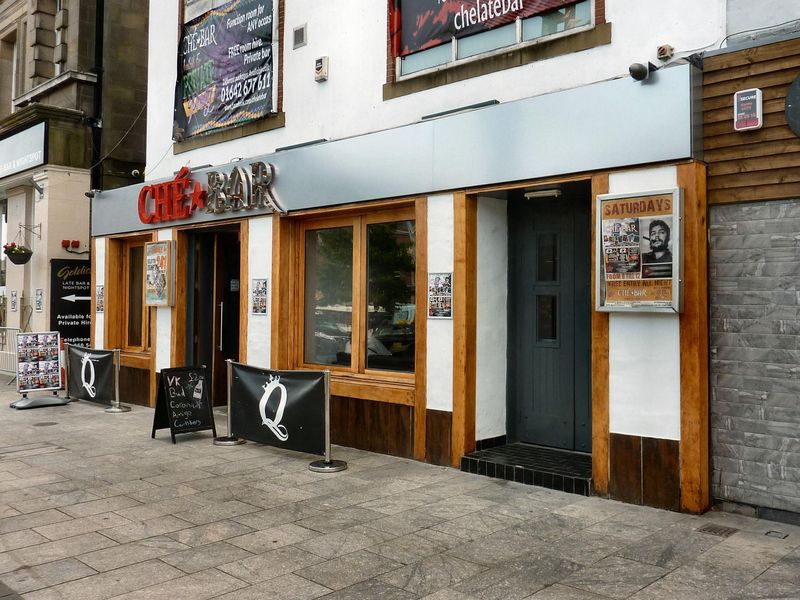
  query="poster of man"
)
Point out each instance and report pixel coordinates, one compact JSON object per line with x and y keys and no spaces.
{"x":656,"y":248}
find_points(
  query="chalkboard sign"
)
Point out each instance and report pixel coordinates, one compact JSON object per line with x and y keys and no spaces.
{"x":183,"y":402}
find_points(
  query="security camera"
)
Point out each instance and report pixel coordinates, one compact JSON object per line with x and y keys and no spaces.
{"x":641,"y":72}
{"x":136,"y":173}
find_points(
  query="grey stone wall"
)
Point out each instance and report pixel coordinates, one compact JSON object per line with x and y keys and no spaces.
{"x":755,"y":353}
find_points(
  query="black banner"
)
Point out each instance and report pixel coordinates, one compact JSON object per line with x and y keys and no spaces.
{"x":183,"y":403}
{"x":279,"y":408}
{"x":428,"y":23}
{"x":70,"y":299}
{"x":224,"y":68}
{"x":90,"y":374}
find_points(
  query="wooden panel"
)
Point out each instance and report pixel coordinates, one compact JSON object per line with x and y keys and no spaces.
{"x":760,"y":164}
{"x":134,"y":386}
{"x":373,"y":426}
{"x":370,"y":390}
{"x":178,"y":342}
{"x":282,"y":275}
{"x":113,"y":291}
{"x":421,"y":331}
{"x":600,"y":427}
{"x":661,"y":484}
{"x":244,"y":286}
{"x":464,"y":324}
{"x":438,"y":424}
{"x":625,"y":482}
{"x":694,"y":365}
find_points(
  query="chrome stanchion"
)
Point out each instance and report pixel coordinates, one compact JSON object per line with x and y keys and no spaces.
{"x":66,"y":371}
{"x":327,"y":465}
{"x":116,"y":407}
{"x":229,"y":440}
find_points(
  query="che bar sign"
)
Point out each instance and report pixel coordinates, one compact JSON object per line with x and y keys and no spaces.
{"x":747,"y":110}
{"x":242,"y":189}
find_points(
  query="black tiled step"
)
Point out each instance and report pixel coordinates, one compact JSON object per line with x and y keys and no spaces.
{"x":534,"y":465}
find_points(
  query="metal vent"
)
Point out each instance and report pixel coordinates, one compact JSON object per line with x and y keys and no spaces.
{"x":777,"y":534}
{"x":299,"y":38}
{"x":718,"y":530}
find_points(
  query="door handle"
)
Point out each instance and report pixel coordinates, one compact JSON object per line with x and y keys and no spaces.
{"x":221,"y":314}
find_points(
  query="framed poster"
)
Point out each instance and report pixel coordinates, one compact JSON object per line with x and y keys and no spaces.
{"x":158,"y":273}
{"x":13,"y":301}
{"x":639,"y":251}
{"x":38,"y":300}
{"x":38,"y":361}
{"x":99,"y":298}
{"x":260,"y":291}
{"x":440,"y":295}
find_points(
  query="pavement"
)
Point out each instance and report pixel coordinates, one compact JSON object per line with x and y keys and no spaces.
{"x":92,"y":508}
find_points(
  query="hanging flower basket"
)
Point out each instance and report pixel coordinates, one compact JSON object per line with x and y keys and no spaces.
{"x":18,"y":255}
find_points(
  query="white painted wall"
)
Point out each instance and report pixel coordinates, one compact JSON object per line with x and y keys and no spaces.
{"x":492,"y":318}
{"x":259,"y":250}
{"x":99,"y":257}
{"x":164,"y":319}
{"x":441,"y":222}
{"x":644,"y":349}
{"x":351,"y":103}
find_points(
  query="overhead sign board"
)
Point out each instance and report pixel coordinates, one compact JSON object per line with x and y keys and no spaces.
{"x":23,"y":150}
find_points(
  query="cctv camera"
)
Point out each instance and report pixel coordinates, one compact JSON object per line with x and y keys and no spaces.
{"x":639,"y":71}
{"x":135,"y":173}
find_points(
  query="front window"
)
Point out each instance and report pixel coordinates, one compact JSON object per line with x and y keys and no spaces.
{"x":135,"y":311}
{"x":359,"y":292}
{"x":456,"y":31}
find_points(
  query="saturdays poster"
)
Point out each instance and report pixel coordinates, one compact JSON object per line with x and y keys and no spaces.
{"x":421,"y":24}
{"x":224,"y":68}
{"x":637,"y":250}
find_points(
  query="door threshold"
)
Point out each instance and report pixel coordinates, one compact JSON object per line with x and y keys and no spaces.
{"x":553,"y":468}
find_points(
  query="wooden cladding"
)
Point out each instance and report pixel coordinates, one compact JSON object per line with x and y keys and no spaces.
{"x":751,"y":165}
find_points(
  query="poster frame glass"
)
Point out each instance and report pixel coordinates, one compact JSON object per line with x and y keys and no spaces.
{"x":674,"y":304}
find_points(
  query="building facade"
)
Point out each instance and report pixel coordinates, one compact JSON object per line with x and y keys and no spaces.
{"x":415,"y":208}
{"x":71,"y":120}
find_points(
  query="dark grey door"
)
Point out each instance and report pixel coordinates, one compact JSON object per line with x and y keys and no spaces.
{"x":550,"y":320}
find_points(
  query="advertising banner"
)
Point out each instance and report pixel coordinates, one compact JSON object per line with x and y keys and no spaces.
{"x":278,"y":408}
{"x":224,"y":68}
{"x":70,"y":299}
{"x":23,"y":150}
{"x":427,"y":23}
{"x":38,"y":362}
{"x":638,"y":251}
{"x":90,"y":374}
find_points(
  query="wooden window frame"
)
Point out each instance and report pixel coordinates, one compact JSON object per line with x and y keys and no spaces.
{"x":127,"y":246}
{"x":356,"y":381}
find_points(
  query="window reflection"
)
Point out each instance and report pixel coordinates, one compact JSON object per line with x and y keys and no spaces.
{"x":390,"y":296}
{"x":329,"y":296}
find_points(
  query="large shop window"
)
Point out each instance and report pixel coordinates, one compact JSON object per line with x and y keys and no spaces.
{"x":457,"y":31}
{"x":358,"y":293}
{"x":135,"y":315}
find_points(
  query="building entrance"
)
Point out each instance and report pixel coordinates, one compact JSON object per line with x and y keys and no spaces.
{"x":213,"y":303}
{"x":549,"y":311}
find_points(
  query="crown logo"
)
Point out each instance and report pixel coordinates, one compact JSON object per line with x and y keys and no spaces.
{"x":274,"y":378}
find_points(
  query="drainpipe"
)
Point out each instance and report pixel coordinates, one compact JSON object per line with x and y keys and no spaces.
{"x":97,"y":121}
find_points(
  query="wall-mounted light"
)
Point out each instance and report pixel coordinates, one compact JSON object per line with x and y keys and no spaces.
{"x":553,"y":193}
{"x":641,"y":72}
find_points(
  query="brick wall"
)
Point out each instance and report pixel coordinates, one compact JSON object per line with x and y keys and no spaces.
{"x":755,"y":353}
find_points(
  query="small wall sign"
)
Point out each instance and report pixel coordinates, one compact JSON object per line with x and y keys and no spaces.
{"x":747,"y":110}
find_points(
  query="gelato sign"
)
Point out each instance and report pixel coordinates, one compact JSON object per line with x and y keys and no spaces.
{"x":22,"y":151}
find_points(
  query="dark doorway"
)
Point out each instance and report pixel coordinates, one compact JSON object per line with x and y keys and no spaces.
{"x":213,"y":299}
{"x":549,"y":313}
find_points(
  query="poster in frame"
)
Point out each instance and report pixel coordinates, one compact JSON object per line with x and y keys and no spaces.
{"x":639,"y":251}
{"x":38,"y":361}
{"x":158,"y":273}
{"x":440,"y":295}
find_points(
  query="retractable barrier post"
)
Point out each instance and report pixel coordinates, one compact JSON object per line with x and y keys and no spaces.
{"x":229,"y":440}
{"x":327,"y":465}
{"x":66,"y":370}
{"x":116,"y":407}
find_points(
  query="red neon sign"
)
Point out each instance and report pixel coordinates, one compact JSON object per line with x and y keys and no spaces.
{"x":170,"y":200}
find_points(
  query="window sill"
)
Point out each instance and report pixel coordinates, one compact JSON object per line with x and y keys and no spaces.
{"x":135,"y":360}
{"x":600,"y":35}
{"x":379,"y":388}
{"x":234,"y":133}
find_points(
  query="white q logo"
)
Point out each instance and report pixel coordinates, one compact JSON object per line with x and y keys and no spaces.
{"x":88,"y":383}
{"x":274,"y":425}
